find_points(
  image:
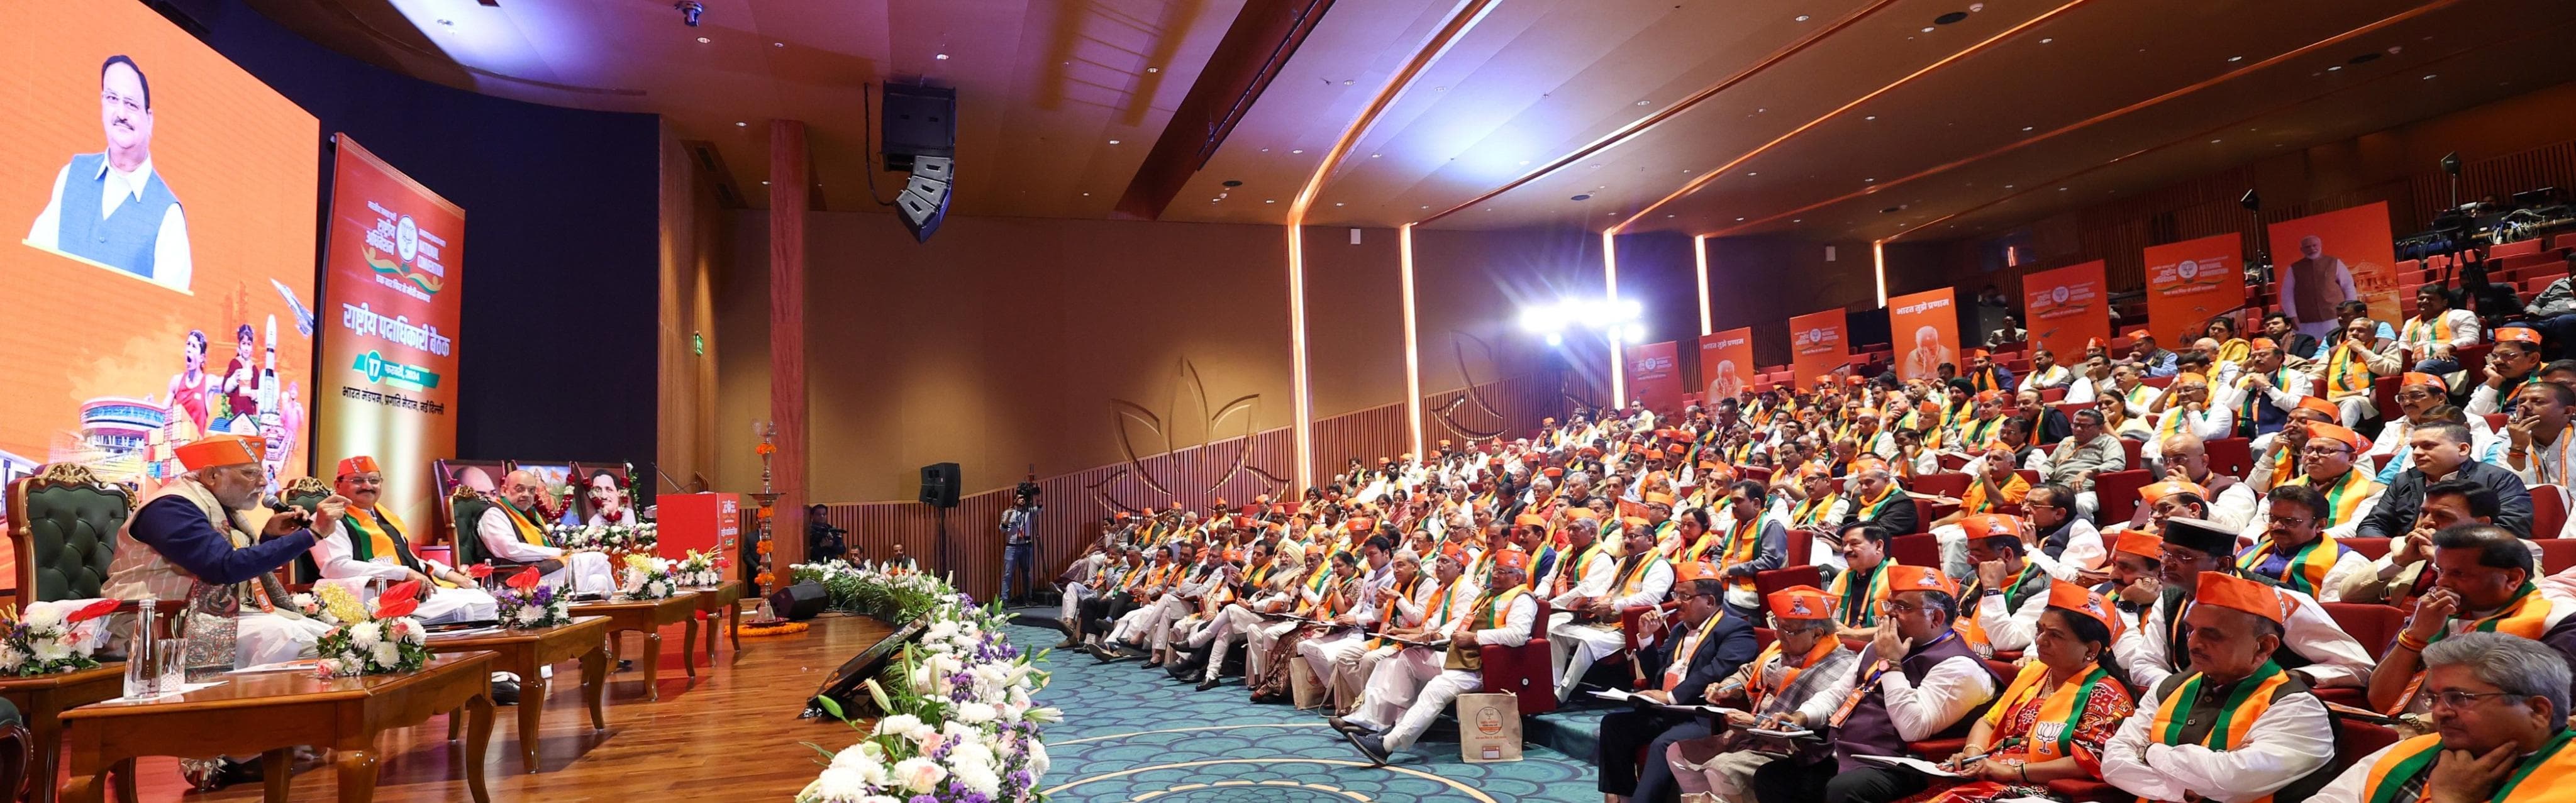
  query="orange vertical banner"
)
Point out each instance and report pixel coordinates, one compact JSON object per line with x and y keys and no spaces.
{"x":2334,"y":257}
{"x":1924,"y":330}
{"x":1816,"y":345}
{"x":1654,"y":375}
{"x":1725,"y":359}
{"x":2067,"y":307}
{"x":2192,"y":281}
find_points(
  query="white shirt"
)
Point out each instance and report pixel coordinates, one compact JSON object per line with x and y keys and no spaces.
{"x":1651,"y":589}
{"x":1949,"y":691}
{"x":2084,"y":550}
{"x":2011,"y":628}
{"x":2294,"y":737}
{"x":171,"y":265}
{"x":2337,"y":659}
{"x":1516,"y":623}
{"x":501,"y":539}
{"x":2547,"y":462}
{"x":2262,"y":514}
{"x":2055,"y":376}
{"x":1592,"y":583}
{"x":2082,"y":390}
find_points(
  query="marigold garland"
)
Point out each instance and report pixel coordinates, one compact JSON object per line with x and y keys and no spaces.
{"x":759,"y":630}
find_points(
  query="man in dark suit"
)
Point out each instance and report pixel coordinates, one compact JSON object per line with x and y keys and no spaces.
{"x":1679,"y":663}
{"x":2441,"y":452}
{"x":1876,"y":499}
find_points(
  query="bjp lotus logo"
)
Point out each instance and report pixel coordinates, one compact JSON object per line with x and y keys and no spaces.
{"x":1192,"y":447}
{"x":2057,"y":295}
{"x":2187,"y":270}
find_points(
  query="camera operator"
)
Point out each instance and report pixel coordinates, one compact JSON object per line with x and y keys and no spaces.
{"x":1020,"y":541}
{"x":822,"y":540}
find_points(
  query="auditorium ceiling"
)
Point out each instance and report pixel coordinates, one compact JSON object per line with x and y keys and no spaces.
{"x":1826,"y":119}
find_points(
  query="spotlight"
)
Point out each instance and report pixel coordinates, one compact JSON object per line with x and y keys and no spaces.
{"x":689,"y":11}
{"x":1636,"y":333}
{"x":1555,"y":339}
{"x":1535,"y":319}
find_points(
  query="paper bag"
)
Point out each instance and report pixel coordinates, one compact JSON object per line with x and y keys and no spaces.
{"x":1309,"y":692}
{"x":1489,"y":728}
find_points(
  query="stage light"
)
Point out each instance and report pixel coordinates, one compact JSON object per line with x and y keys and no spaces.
{"x":1636,"y":333}
{"x":1555,"y":339}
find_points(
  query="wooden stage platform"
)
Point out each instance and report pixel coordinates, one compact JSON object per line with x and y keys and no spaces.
{"x":730,"y":732}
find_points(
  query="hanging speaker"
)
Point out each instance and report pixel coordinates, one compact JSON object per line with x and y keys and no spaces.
{"x":924,"y":202}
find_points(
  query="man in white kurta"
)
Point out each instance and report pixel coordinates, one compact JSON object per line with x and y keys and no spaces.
{"x":385,"y":552}
{"x":2171,"y":748}
{"x":196,"y":544}
{"x":1641,"y":579}
{"x":1502,"y":616}
{"x":508,"y":533}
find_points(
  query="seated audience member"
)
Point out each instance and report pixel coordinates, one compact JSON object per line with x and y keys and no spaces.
{"x":2230,"y":500}
{"x":511,"y":535}
{"x":2424,"y":398}
{"x":2436,"y":331}
{"x":2053,"y":720}
{"x":1984,"y":375}
{"x":2514,"y":361}
{"x":371,"y":545}
{"x":2312,"y":645}
{"x":1876,"y":499}
{"x":2405,"y":573}
{"x":2265,"y":392}
{"x":2499,"y":711}
{"x":2295,"y":550}
{"x":1681,"y":663}
{"x":2295,"y":345}
{"x":2090,"y":452}
{"x":2137,"y":561}
{"x":1755,"y":542}
{"x":1861,"y":589}
{"x":1917,"y":680}
{"x":2231,"y":348}
{"x":2349,"y":368}
{"x":2277,"y":739}
{"x":1805,"y":662}
{"x":2186,"y":410}
{"x":195,"y":544}
{"x":2041,"y":422}
{"x":2536,"y":439}
{"x":1589,"y":631}
{"x":2484,"y":585}
{"x":2326,"y":462}
{"x":2045,"y":373}
{"x":1503,"y":615}
{"x":2440,"y":452}
{"x":2276,"y":455}
{"x":2068,"y":547}
{"x":2003,"y":599}
{"x":2117,"y":419}
{"x":2129,"y":385}
{"x":2154,"y":360}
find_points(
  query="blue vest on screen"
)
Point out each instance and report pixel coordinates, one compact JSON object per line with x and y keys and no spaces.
{"x":125,"y":239}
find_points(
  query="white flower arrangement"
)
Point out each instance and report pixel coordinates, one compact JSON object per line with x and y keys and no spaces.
{"x":52,"y":637}
{"x":372,"y":638}
{"x":527,"y":603}
{"x":958,"y":724}
{"x":639,"y":537}
{"x":646,"y":577}
{"x":698,"y":570}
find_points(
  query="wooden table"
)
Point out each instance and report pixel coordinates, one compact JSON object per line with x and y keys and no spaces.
{"x":720,"y":599}
{"x":43,"y":700}
{"x":272,"y":713}
{"x":526,"y":652}
{"x":648,"y":616}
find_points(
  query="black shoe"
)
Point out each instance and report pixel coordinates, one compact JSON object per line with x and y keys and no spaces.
{"x":624,"y":664}
{"x":1209,"y":683}
{"x":505,"y":692}
{"x":1369,"y":744}
{"x":1344,"y":725}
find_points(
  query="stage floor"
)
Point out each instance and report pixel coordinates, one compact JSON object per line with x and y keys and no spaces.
{"x":732,"y":732}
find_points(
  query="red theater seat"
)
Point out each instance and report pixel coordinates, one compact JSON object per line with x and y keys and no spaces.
{"x":2231,"y":456}
{"x":1526,"y":672}
{"x":2515,"y":248}
{"x":2375,"y":626}
{"x":1924,"y":550}
{"x":2116,"y":494}
{"x":2372,"y":548}
{"x":1942,"y":484}
{"x":2556,"y":554}
{"x":2548,"y":510}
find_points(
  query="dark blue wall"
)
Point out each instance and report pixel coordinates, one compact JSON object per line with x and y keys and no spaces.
{"x":557,"y":357}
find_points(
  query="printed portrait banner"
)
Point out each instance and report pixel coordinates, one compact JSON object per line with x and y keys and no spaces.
{"x":390,"y":315}
{"x":2067,"y":307}
{"x":2326,"y":259}
{"x":2192,"y":281}
{"x":1816,"y":346}
{"x":1924,"y":330}
{"x":1726,"y":363}
{"x":1654,"y":374}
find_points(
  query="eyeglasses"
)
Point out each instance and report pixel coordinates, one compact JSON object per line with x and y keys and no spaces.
{"x":2324,"y":449}
{"x":2456,"y":700}
{"x":1894,"y":606}
{"x":133,"y":105}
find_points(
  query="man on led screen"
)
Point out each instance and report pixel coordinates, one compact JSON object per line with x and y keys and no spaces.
{"x":120,"y":214}
{"x":2312,"y":287}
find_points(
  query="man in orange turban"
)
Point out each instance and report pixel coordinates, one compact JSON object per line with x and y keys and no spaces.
{"x":196,"y":537}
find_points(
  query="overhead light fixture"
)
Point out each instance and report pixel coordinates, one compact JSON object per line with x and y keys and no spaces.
{"x":1270,"y":200}
{"x":1086,"y":195}
{"x":2428,"y":76}
{"x":778,"y":44}
{"x":1373,"y":155}
{"x":941,"y":57}
{"x":1298,"y":150}
{"x":1338,"y":203}
{"x":1113,"y":142}
{"x":2233,"y":59}
{"x":1739,"y":220}
{"x":1871,"y":117}
{"x":1802,"y":18}
{"x":2334,"y":68}
{"x":1644,"y":102}
{"x":2047,"y":40}
{"x":1927,"y":29}
{"x":741,"y":124}
{"x":702,"y":40}
{"x":1748,"y":172}
{"x":1153,"y":69}
{"x":2026,"y":128}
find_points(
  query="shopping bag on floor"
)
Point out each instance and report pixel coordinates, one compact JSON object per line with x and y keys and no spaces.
{"x":1489,"y":728}
{"x":1309,"y":692}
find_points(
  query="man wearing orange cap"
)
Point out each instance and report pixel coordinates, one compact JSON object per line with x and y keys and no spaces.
{"x":1876,"y":499}
{"x":512,"y":536}
{"x":2312,"y":645}
{"x":1503,"y":616}
{"x":2296,"y":550}
{"x":2265,"y":392}
{"x":370,"y":544}
{"x":2327,"y":462}
{"x":1917,"y":680}
{"x":195,"y":533}
{"x":2237,"y":727}
{"x":2152,"y":359}
{"x":1680,"y":661}
{"x":2008,"y":593}
{"x":2419,"y":397}
{"x":2351,"y":365}
{"x":2133,"y":587}
{"x":1805,"y":661}
{"x":2276,"y":456}
{"x":2513,"y":362}
{"x":1984,"y":374}
{"x":1640,"y":579}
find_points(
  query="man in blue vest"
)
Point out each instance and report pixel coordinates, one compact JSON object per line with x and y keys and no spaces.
{"x":111,"y":207}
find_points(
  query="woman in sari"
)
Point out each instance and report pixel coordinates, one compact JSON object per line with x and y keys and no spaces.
{"x":2231,"y":348}
{"x":1338,"y":595}
{"x":2051,"y":723}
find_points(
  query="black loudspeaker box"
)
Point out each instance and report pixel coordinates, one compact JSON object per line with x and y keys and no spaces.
{"x":919,"y":121}
{"x":799,"y":602}
{"x":939,"y":485}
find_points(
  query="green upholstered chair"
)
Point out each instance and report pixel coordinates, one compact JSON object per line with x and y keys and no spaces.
{"x":17,"y":751}
{"x":64,"y":525}
{"x":468,"y":507}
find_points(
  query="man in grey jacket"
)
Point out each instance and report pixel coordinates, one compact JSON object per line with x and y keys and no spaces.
{"x":2090,"y":452}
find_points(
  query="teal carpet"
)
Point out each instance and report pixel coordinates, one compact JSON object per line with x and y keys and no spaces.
{"x":1131,"y":734}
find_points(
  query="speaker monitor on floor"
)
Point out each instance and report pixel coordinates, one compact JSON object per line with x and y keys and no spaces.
{"x":939,"y":483}
{"x":844,"y":687}
{"x":799,"y":602}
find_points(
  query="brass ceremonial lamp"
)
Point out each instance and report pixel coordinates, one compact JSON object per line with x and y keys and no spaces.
{"x":768,"y":501}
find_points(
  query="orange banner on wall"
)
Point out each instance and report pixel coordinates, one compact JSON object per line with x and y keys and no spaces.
{"x":391,"y":313}
{"x":2333,"y":257}
{"x":2190,"y":282}
{"x":2067,"y":307}
{"x":1725,"y":361}
{"x":1924,"y":330}
{"x":1654,"y":375}
{"x":1816,"y":345}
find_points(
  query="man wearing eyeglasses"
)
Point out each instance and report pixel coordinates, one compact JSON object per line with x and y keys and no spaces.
{"x":2441,"y":451}
{"x":2237,"y":726}
{"x":371,"y":544}
{"x":2483,"y":583}
{"x":111,"y":207}
{"x":1680,"y":660}
{"x":2311,"y":645}
{"x":1918,"y":680}
{"x":2326,"y":462}
{"x":2499,"y":709}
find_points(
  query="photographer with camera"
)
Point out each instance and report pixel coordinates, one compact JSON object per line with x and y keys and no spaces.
{"x":822,"y":540}
{"x":1020,"y":541}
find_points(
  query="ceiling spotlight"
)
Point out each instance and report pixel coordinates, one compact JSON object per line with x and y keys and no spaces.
{"x":1636,"y":332}
{"x":1802,"y":18}
{"x":1739,"y":220}
{"x":1927,"y":29}
{"x":741,"y":124}
{"x":1153,"y":69}
{"x":1113,"y":142}
{"x":1867,"y":180}
{"x":2428,"y":76}
{"x":1553,"y":338}
{"x":941,"y":57}
{"x":2047,"y":40}
{"x":1338,"y":203}
{"x":1298,"y":150}
{"x":703,"y":40}
{"x":764,"y":183}
{"x":1644,"y":102}
{"x":1270,"y":200}
{"x":1086,"y":195}
{"x":2026,"y":128}
{"x":2234,"y":59}
{"x":1748,"y":172}
{"x":778,"y":44}
{"x":2213,"y":142}
{"x":1346,"y":82}
{"x":1373,"y":156}
{"x":1871,"y":117}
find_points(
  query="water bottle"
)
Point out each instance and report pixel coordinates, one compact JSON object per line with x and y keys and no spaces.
{"x":142,"y":679}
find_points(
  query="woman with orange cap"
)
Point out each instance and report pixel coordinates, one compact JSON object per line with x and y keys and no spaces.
{"x":2051,"y":723}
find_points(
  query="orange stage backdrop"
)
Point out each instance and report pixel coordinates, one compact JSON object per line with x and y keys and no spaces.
{"x":1924,"y":330}
{"x":2067,"y":306}
{"x":2192,"y":281}
{"x":2324,"y":259}
{"x":388,"y":379}
{"x":1725,"y":359}
{"x":1654,"y":374}
{"x":1816,"y":345}
{"x":188,"y":308}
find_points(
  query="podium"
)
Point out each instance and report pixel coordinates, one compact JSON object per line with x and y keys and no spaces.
{"x":710,"y":522}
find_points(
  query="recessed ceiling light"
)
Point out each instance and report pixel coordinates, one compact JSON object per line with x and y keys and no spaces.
{"x":2235,"y":58}
{"x":1802,"y":18}
{"x":1644,"y":102}
{"x":1426,"y":206}
{"x":2047,"y":40}
{"x":702,"y":40}
{"x":764,"y":183}
{"x":1871,"y":117}
{"x":2334,"y":68}
{"x":1748,"y":172}
{"x":1298,"y":150}
{"x":1373,"y":156}
{"x":1153,"y":69}
{"x":1113,"y":142}
{"x":1797,"y":220}
{"x":1346,"y":82}
{"x":1337,"y":203}
{"x":941,"y":57}
{"x":2026,"y":128}
{"x":2213,"y":142}
{"x":1927,"y":29}
{"x":1086,"y":195}
{"x":1269,"y":200}
{"x":778,"y":44}
{"x":2428,"y":76}
{"x":1739,"y":220}
{"x":2061,"y":189}
{"x":741,"y":124}
{"x":1867,"y":180}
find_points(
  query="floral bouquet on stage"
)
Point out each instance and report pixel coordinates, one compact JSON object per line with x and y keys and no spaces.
{"x":372,"y":638}
{"x":54,"y":637}
{"x":698,"y":570}
{"x":646,"y":577}
{"x":527,"y":603}
{"x":959,"y":726}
